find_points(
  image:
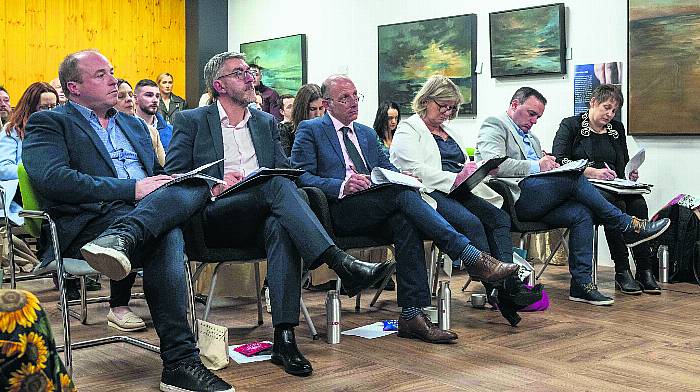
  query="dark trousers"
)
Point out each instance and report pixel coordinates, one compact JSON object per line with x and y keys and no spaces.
{"x":120,"y":291}
{"x":399,"y":213}
{"x":487,"y":227}
{"x":634,"y":205}
{"x":569,"y":200}
{"x":154,"y":223}
{"x":272,"y":215}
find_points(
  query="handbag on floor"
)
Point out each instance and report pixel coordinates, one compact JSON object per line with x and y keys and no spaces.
{"x":213,"y":345}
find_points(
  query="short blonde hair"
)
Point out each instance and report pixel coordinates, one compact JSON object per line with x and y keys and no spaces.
{"x":438,"y":88}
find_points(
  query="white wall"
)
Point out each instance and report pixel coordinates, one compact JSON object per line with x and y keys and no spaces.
{"x":342,"y":38}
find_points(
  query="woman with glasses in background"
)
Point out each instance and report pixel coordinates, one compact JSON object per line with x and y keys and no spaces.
{"x":430,"y":148}
{"x":385,"y":123}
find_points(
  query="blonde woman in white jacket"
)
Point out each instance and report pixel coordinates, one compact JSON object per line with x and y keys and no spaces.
{"x":428,"y":147}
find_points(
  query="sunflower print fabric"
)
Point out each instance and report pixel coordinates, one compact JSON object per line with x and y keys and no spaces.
{"x":29,"y":361}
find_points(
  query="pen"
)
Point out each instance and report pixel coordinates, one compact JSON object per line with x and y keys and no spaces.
{"x":608,"y":167}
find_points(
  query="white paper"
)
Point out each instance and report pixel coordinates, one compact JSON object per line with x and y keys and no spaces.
{"x":240,"y":358}
{"x":635,"y":162}
{"x":383,"y":176}
{"x":371,"y":331}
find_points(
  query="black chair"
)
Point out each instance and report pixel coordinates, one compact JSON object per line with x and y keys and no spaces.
{"x":319,"y":205}
{"x":198,"y":250}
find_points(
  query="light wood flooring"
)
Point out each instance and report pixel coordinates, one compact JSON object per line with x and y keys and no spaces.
{"x":642,"y":343}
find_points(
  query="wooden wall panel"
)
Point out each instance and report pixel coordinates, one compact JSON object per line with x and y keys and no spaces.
{"x":141,"y":38}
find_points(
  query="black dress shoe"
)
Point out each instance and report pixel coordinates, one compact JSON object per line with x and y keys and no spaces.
{"x":357,"y":275}
{"x":626,"y":283}
{"x":642,"y":230}
{"x":192,"y":375}
{"x":286,"y":353}
{"x":109,"y":254}
{"x":72,"y":290}
{"x":647,"y":281}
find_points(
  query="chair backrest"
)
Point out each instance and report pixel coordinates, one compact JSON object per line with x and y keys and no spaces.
{"x":30,"y":201}
{"x":470,"y":153}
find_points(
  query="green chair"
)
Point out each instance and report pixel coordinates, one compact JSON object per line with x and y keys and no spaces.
{"x":65,"y":268}
{"x":470,"y":153}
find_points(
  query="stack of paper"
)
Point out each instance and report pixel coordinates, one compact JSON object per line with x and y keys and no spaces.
{"x":621,"y":186}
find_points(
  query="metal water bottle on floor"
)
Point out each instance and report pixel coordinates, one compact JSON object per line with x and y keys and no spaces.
{"x":444,"y":298}
{"x":332,"y":317}
{"x":664,"y":263}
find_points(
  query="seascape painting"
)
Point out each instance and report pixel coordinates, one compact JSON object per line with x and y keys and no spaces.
{"x":664,"y":71}
{"x":409,"y":53}
{"x":528,"y":41}
{"x":283,"y":61}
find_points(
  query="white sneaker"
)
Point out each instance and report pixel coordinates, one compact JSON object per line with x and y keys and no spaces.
{"x":128,"y":322}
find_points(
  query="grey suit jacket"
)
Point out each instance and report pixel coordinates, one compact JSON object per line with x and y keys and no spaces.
{"x":499,"y":138}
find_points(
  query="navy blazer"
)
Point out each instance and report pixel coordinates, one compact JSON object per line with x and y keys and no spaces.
{"x":71,"y":171}
{"x":197,"y":140}
{"x":317,"y":150}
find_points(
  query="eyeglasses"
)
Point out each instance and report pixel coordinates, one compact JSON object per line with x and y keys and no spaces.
{"x":445,"y":108}
{"x":46,"y":107}
{"x":350,"y":98}
{"x":240,"y":74}
{"x":254,"y":72}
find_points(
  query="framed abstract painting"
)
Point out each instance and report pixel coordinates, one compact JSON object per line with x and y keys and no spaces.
{"x":528,"y":41}
{"x":411,"y":52}
{"x":283,"y":61}
{"x":664,"y":72}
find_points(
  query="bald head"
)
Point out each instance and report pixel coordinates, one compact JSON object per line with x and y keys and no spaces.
{"x":340,"y":98}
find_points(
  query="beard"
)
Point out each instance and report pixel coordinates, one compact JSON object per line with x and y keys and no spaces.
{"x":148,"y":110}
{"x":4,"y":116}
{"x":243,"y":97}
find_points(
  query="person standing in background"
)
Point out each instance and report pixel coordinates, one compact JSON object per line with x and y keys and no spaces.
{"x":270,"y":97}
{"x":169,"y":103}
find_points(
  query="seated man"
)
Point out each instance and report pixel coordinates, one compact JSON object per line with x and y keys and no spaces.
{"x":97,"y":176}
{"x":273,"y":213}
{"x":338,"y":154}
{"x":561,"y":199}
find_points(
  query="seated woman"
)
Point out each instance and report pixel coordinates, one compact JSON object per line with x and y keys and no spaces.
{"x":595,"y":136}
{"x":426,"y":145}
{"x":307,"y":105}
{"x":38,"y":96}
{"x":385,"y":122}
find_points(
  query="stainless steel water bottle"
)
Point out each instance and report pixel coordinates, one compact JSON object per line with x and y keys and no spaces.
{"x":332,"y":317}
{"x":664,"y":263}
{"x":444,"y":298}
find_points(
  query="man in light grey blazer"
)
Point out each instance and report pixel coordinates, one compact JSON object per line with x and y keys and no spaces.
{"x":564,"y":199}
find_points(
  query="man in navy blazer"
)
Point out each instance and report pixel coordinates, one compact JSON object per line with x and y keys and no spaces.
{"x":96,"y":174}
{"x":327,"y":148}
{"x":271,"y":214}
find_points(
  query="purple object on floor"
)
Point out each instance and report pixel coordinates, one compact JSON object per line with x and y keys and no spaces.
{"x":540,"y":305}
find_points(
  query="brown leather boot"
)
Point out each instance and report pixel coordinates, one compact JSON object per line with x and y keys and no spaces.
{"x":489,"y":269}
{"x":420,"y":327}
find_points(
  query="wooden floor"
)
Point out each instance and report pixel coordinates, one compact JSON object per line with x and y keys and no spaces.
{"x":644,"y":343}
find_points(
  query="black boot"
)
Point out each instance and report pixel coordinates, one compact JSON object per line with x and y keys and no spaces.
{"x":355,"y":274}
{"x":110,"y":254}
{"x":286,"y":353}
{"x":646,"y":280}
{"x":626,"y":283}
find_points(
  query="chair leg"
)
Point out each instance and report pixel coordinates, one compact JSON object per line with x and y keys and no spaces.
{"x":307,"y":317}
{"x":83,"y":301}
{"x":258,"y":291}
{"x":467,"y":283}
{"x":436,"y":273}
{"x":382,"y":286}
{"x":357,"y":302}
{"x":594,"y":269}
{"x":190,"y":299}
{"x":207,"y":307}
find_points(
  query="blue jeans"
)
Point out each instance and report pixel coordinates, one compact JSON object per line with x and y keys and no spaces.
{"x":569,"y":200}
{"x":487,"y":227}
{"x":154,"y":224}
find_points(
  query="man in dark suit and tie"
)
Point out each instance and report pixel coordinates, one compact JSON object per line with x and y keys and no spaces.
{"x":273,"y":213}
{"x":97,"y":176}
{"x":338,"y":155}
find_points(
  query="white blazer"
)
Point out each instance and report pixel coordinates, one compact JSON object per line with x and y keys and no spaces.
{"x":413,"y":149}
